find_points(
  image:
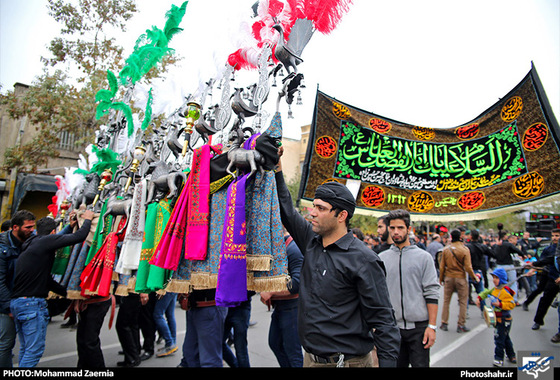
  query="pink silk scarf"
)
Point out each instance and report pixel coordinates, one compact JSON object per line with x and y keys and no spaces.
{"x":198,"y":212}
{"x":188,"y":224}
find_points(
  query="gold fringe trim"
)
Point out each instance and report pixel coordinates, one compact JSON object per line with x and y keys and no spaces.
{"x":122,"y":290}
{"x":207,"y":280}
{"x":198,"y":281}
{"x":75,"y":295}
{"x":125,"y":289}
{"x":204,"y":280}
{"x":259,"y":263}
{"x":178,"y":286}
{"x":267,"y":284}
{"x":96,"y":291}
{"x":52,"y":295}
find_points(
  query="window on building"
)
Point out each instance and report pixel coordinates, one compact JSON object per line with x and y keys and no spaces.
{"x":68,"y":141}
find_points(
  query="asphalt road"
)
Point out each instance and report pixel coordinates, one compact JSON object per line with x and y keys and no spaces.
{"x":452,"y":349}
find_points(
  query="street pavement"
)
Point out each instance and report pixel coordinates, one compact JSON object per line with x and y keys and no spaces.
{"x":452,"y":349}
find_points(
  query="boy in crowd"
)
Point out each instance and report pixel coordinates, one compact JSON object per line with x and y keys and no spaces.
{"x":501,"y":299}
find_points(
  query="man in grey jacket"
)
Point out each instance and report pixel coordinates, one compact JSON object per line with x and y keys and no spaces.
{"x":414,"y":291}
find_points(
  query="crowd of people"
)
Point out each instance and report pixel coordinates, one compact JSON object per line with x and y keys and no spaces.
{"x":463,"y":260}
{"x":354,"y":300}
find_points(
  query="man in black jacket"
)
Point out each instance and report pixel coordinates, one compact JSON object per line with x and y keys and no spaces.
{"x":33,"y":281}
{"x":551,"y":287}
{"x":22,"y":226}
{"x":503,"y":252}
{"x":542,"y":276}
{"x":344,"y":307}
{"x":478,"y":251}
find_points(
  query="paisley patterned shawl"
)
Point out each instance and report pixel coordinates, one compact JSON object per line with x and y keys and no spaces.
{"x":266,"y":252}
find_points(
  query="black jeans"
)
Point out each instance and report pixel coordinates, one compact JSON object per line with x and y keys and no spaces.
{"x":147,"y":324}
{"x":541,"y":284}
{"x":412,"y":352}
{"x":549,"y":293}
{"x":90,"y":322}
{"x":128,"y":329}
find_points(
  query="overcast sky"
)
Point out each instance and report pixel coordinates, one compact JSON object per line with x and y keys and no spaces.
{"x":434,"y":63}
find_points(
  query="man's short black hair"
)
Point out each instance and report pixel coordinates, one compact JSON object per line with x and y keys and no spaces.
{"x":384,"y":220}
{"x":6,"y":225}
{"x":475,"y":235}
{"x":455,"y":235}
{"x":398,"y":214}
{"x":45,"y":225}
{"x":21,"y":216}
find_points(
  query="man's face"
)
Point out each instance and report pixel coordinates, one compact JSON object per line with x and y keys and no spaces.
{"x":526,"y":235}
{"x":323,"y":220}
{"x":555,"y":237}
{"x":398,"y":231}
{"x":382,"y":232}
{"x":23,"y":232}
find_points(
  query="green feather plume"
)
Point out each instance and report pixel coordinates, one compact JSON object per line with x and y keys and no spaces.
{"x":149,"y":50}
{"x":151,"y":47}
{"x":113,"y":83}
{"x":104,"y":98}
{"x":106,"y":158}
{"x":174,"y":18}
{"x":148,"y":112}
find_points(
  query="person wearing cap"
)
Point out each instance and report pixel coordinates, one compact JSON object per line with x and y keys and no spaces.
{"x":344,"y":308}
{"x":502,"y":302}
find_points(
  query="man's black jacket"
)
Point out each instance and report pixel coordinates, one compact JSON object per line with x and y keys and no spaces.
{"x":33,"y":268}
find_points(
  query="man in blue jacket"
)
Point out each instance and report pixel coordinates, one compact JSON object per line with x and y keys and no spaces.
{"x":23,"y":225}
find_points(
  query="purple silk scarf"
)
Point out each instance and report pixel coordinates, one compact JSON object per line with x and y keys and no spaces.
{"x":231,"y":289}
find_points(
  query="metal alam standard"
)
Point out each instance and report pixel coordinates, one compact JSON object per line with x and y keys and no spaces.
{"x":189,"y":203}
{"x":505,"y":159}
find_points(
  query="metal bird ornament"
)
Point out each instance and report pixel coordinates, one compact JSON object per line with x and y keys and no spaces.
{"x":289,"y":52}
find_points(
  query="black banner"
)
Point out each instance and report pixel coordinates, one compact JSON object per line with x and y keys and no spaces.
{"x":501,"y":161}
